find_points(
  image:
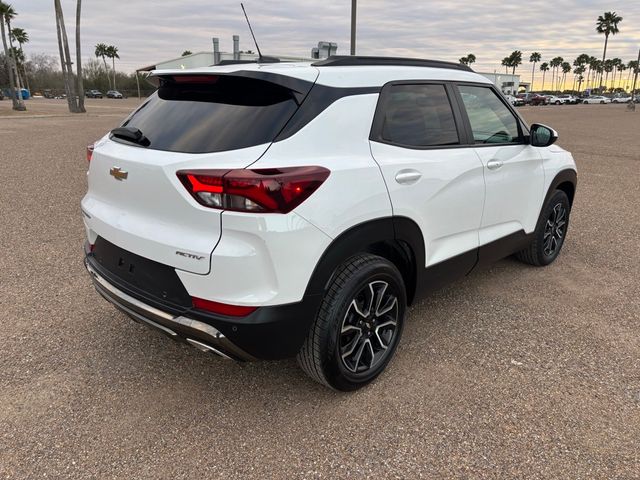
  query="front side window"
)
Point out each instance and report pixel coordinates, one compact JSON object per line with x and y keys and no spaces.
{"x":418,"y":116}
{"x":491,"y":120}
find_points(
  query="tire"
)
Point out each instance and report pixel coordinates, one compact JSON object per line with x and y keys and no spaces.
{"x":550,"y":232}
{"x":347,"y":324}
{"x":557,"y":103}
{"x":601,"y":102}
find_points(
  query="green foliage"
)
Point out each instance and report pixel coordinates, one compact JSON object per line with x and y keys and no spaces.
{"x":607,"y":23}
{"x":468,"y":60}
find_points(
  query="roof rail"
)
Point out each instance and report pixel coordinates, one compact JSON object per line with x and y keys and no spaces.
{"x":349,"y":61}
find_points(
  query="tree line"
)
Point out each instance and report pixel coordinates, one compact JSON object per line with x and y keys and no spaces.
{"x":597,"y":71}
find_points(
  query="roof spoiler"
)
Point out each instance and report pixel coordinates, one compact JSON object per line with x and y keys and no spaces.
{"x":299,"y":88}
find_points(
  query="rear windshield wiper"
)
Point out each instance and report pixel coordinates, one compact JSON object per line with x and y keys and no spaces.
{"x":131,"y":134}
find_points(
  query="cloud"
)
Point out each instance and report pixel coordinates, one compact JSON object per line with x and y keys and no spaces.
{"x":147,"y":31}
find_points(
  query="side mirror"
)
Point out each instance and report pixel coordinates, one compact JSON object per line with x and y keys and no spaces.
{"x":542,"y":136}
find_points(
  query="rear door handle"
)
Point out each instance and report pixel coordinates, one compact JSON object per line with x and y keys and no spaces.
{"x":408,"y":177}
{"x":494,"y":164}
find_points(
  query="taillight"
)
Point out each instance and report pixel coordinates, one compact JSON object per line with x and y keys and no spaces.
{"x":222,"y":308}
{"x":89,"y":152}
{"x":274,"y":190}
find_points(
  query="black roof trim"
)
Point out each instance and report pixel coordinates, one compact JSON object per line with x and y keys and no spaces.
{"x":350,"y":61}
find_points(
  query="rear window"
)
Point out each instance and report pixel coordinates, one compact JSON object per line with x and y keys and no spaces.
{"x":213,"y":114}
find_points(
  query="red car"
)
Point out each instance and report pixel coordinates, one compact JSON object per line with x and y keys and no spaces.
{"x":534,"y":99}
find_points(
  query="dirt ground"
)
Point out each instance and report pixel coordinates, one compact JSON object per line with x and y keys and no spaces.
{"x":513,"y":372}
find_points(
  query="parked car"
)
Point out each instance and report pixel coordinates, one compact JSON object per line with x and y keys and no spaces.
{"x":553,"y":100}
{"x":537,"y":99}
{"x":533,"y":98}
{"x":515,"y":101}
{"x":331,"y":203}
{"x":569,"y":99}
{"x":93,"y":94}
{"x":596,"y":99}
{"x":114,"y":94}
{"x":621,"y":98}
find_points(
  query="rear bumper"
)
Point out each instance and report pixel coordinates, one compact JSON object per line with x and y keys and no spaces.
{"x":268,"y":333}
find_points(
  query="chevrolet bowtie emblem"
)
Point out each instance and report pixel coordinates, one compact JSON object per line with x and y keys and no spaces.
{"x":118,"y":174}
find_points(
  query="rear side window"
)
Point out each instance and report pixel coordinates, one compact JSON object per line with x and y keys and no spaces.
{"x":213,"y":114}
{"x":491,"y":120}
{"x":417,"y":116}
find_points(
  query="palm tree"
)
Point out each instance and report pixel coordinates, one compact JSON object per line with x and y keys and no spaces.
{"x":468,"y":60}
{"x":607,"y":24}
{"x":79,"y":79}
{"x":65,"y":59}
{"x":621,"y":67}
{"x":22,"y":37}
{"x":506,"y":63}
{"x":112,"y":53}
{"x":578,"y":71}
{"x":599,"y":69}
{"x":632,"y":67}
{"x":6,"y":14}
{"x":534,"y":58}
{"x":566,"y":68}
{"x":101,"y":52}
{"x":544,"y":67}
{"x":591,"y":62}
{"x":515,"y":60}
{"x":608,"y":67}
{"x":555,"y":63}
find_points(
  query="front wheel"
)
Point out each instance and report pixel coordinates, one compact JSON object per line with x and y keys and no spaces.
{"x":358,"y":325}
{"x":550,"y":232}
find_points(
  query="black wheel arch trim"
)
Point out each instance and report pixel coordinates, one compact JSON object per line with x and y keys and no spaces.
{"x":398,"y":239}
{"x":567,"y":176}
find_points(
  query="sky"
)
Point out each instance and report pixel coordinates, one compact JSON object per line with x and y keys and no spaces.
{"x":150,"y":31}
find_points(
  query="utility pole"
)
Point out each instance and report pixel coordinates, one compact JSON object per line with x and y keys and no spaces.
{"x":353,"y":27}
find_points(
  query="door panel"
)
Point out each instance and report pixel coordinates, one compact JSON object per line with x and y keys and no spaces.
{"x":445,"y":201}
{"x":514,"y":178}
{"x":513,"y":171}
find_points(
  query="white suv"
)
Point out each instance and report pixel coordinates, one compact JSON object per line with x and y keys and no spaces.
{"x":263,"y":211}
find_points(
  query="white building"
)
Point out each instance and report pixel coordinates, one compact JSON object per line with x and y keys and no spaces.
{"x":506,"y":82}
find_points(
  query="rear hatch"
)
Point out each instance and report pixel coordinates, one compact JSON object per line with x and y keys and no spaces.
{"x":193,"y":121}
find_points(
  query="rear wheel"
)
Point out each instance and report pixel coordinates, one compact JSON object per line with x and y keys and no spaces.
{"x":358,"y":326}
{"x":550,"y":232}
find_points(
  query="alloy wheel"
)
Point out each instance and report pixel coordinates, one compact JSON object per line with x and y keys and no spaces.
{"x":554,"y":230}
{"x":369,"y":327}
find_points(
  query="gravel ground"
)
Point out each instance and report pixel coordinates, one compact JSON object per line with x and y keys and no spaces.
{"x":514,"y":372}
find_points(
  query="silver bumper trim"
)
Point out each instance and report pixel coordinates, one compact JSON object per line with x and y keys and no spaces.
{"x":216,"y":342}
